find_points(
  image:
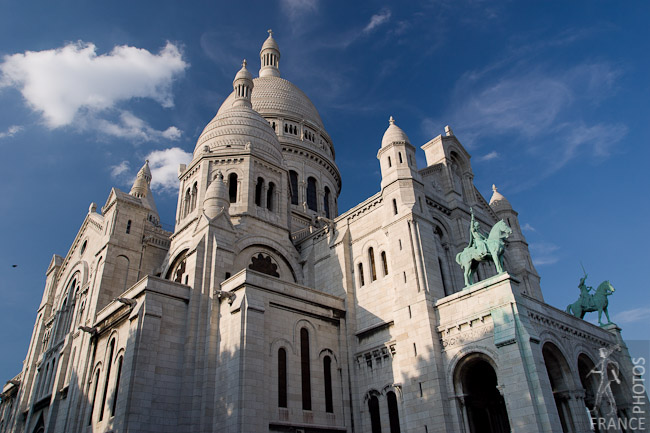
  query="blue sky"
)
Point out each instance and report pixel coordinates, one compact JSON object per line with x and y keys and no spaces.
{"x":550,"y":99}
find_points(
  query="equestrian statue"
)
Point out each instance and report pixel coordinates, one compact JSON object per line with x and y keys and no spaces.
{"x":588,"y":302}
{"x":482,"y":247}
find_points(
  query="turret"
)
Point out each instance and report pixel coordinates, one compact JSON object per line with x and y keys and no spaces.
{"x":243,"y":87}
{"x":142,"y":189}
{"x":270,"y":57}
{"x":396,"y":156}
{"x":216,"y":197}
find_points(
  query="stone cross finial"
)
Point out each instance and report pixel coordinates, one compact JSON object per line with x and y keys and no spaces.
{"x":270,"y":32}
{"x":243,"y":63}
{"x":494,"y":188}
{"x":391,"y":120}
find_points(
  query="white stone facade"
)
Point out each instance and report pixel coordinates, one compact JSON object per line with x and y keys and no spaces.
{"x":266,"y":310}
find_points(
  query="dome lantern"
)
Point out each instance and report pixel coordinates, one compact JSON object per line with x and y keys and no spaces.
{"x":270,"y":57}
{"x":243,"y":87}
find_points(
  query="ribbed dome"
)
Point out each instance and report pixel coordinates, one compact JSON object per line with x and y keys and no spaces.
{"x":275,"y":96}
{"x":498,"y":201}
{"x":394,"y":134}
{"x":236,"y":128}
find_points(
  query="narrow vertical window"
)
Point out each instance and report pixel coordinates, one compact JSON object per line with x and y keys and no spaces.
{"x":195,"y":192}
{"x":232,"y":187}
{"x":442,"y":277}
{"x":282,"y":378}
{"x":375,"y":421}
{"x":400,"y":157}
{"x":304,"y":368}
{"x":258,"y":191}
{"x":311,"y":194}
{"x":384,"y":262}
{"x":373,"y":270}
{"x":269,"y":196}
{"x":92,"y":402}
{"x":395,"y":206}
{"x":128,"y":227}
{"x":326,"y":202}
{"x":109,"y":363}
{"x":390,"y":164}
{"x":393,"y":414}
{"x":293,"y":178}
{"x":187,"y":201}
{"x":361,"y":280}
{"x":327,"y":375}
{"x":117,"y":384}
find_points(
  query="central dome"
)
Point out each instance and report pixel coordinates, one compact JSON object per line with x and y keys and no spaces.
{"x":273,"y":96}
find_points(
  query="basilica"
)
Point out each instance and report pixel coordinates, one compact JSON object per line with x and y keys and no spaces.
{"x":268,"y":310}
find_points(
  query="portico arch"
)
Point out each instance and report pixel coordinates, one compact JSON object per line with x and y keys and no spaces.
{"x":559,"y":375}
{"x":482,"y":406}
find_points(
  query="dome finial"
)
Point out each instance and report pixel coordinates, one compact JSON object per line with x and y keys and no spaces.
{"x":270,"y":32}
{"x":391,"y":120}
{"x":494,"y":188}
{"x":243,"y":86}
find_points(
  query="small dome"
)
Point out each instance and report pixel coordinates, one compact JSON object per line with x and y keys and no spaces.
{"x":498,"y":202}
{"x":216,"y":197}
{"x":243,"y":73}
{"x":270,"y":43}
{"x":394,"y":134}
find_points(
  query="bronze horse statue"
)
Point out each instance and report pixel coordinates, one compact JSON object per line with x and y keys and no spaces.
{"x":470,"y":257}
{"x":596,"y":302}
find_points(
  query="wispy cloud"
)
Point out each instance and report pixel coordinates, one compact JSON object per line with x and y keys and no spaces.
{"x":73,"y":85}
{"x":528,"y":228}
{"x":488,"y":157}
{"x":121,"y":168}
{"x":377,"y":20}
{"x":297,"y":8}
{"x":633,"y":315}
{"x":11,"y":131}
{"x":544,"y":253}
{"x":130,"y":127}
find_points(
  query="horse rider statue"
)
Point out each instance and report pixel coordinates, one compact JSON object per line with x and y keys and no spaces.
{"x":588,"y":302}
{"x":477,"y":239}
{"x":585,"y":297}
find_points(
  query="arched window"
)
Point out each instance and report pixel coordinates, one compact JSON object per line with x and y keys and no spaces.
{"x":282,"y":377}
{"x":109,"y":363}
{"x":395,"y":206}
{"x":304,"y":369}
{"x":327,"y":375}
{"x":286,"y":128}
{"x":373,"y":270}
{"x":361,"y":279}
{"x":92,"y":402}
{"x":117,"y":384}
{"x":187,"y":201}
{"x":326,"y":202}
{"x":293,"y":179}
{"x":393,"y":414}
{"x":269,"y":196}
{"x":311,"y":194}
{"x":384,"y":262}
{"x":195,"y":192}
{"x":232,"y":187}
{"x":258,"y":191}
{"x":375,"y":421}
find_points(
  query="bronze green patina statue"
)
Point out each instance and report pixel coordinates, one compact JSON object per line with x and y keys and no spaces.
{"x":483,"y":247}
{"x":589,"y":302}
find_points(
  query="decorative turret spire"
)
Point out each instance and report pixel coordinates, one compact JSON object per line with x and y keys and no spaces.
{"x":142,"y":190}
{"x":270,"y":57}
{"x":498,"y":201}
{"x":393,"y":134}
{"x":243,"y":86}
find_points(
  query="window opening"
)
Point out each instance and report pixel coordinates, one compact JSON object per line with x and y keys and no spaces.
{"x":375,"y":420}
{"x":361,"y":280}
{"x":293,"y":179}
{"x":395,"y":206}
{"x":258,"y":191}
{"x":393,"y":413}
{"x":373,"y":271}
{"x":109,"y":363}
{"x":311,"y":194}
{"x":92,"y":403}
{"x":400,"y":157}
{"x":326,"y":202}
{"x":232,"y":187}
{"x":304,"y":367}
{"x":128,"y":227}
{"x":269,"y":196}
{"x":384,"y":262}
{"x":282,"y":377}
{"x":327,"y":374}
{"x":117,"y":385}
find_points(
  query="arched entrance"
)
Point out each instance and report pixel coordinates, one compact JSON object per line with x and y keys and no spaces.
{"x":590,"y":385}
{"x":483,"y":406}
{"x":559,"y":375}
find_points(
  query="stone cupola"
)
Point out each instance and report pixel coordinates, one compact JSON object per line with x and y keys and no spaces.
{"x":270,"y":57}
{"x":396,"y":156}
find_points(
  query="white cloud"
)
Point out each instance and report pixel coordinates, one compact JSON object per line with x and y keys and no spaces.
{"x":633,"y":315}
{"x":544,"y":253}
{"x":377,"y":20}
{"x":11,"y":131}
{"x":488,"y":157}
{"x":129,"y":127}
{"x":164,"y":167}
{"x":121,"y":168}
{"x":73,"y":85}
